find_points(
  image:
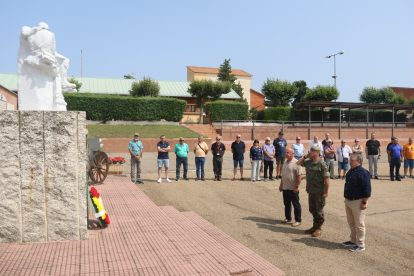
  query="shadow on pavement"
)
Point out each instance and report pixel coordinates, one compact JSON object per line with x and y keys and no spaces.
{"x":316,"y":242}
{"x":263,"y":220}
{"x":288,"y":230}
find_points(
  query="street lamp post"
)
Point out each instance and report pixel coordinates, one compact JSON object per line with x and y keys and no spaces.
{"x":334,"y":76}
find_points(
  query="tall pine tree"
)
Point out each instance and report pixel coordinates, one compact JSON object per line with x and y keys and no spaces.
{"x":225,"y":75}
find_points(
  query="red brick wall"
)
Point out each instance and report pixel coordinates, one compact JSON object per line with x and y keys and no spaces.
{"x":257,"y":99}
{"x":10,"y":97}
{"x":406,"y":92}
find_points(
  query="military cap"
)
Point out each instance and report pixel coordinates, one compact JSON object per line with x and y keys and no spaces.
{"x":136,"y":134}
{"x":315,"y":148}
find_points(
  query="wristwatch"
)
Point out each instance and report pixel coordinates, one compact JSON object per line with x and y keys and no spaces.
{"x":297,"y":187}
{"x":363,"y":202}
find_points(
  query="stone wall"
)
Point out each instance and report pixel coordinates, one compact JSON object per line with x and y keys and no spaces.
{"x":43,"y":176}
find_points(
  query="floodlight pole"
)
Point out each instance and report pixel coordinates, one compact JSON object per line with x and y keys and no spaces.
{"x":334,"y":76}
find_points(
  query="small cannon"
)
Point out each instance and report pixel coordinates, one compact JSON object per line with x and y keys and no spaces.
{"x":98,"y":160}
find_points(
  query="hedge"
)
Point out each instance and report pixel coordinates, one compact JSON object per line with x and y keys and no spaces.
{"x":114,"y":107}
{"x":221,"y":110}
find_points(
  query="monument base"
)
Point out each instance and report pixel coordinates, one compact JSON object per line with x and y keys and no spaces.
{"x":42,"y":176}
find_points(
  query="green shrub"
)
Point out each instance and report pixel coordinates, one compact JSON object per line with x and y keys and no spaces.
{"x":107,"y":107}
{"x":221,"y":110}
{"x":146,"y":87}
{"x":277,"y":113}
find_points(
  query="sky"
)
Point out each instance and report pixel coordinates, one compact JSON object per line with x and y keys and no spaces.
{"x":268,"y":39}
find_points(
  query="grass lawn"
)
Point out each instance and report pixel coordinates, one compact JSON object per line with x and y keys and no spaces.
{"x":146,"y":131}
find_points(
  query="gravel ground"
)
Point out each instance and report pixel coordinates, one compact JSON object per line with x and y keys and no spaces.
{"x":251,"y":213}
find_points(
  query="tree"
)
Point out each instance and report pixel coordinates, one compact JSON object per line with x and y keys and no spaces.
{"x":376,"y":95}
{"x":278,"y":92}
{"x":76,"y":82}
{"x":301,"y":85}
{"x":411,"y":100}
{"x":203,"y":90}
{"x":145,"y":87}
{"x":322,"y":93}
{"x":225,"y":72}
{"x":225,"y":75}
{"x":398,"y":99}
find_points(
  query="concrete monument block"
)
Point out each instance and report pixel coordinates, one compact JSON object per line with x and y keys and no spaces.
{"x":32,"y":178}
{"x":43,"y":183}
{"x":10,"y":216}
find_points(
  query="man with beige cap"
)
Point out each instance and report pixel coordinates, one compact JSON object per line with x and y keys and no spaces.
{"x":136,"y":148}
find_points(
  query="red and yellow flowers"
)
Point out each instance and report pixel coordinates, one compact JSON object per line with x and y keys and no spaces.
{"x":98,"y":208}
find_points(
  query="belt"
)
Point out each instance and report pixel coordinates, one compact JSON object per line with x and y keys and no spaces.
{"x":354,"y":198}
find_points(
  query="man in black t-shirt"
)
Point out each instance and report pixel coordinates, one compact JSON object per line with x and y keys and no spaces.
{"x":373,"y":153}
{"x":238,"y":148}
{"x":218,"y":149}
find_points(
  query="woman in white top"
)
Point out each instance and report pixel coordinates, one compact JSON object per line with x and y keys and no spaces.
{"x":343,"y":151}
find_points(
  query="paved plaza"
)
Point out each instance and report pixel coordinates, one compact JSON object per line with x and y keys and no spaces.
{"x":251,"y":213}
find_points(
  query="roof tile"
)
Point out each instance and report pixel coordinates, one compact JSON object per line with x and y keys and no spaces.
{"x":209,"y":70}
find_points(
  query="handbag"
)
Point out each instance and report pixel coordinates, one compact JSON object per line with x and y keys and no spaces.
{"x":344,"y":160}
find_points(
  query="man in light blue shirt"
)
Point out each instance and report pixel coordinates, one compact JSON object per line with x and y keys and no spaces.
{"x":298,"y":149}
{"x":317,"y":143}
{"x":181,"y":151}
{"x":136,"y":148}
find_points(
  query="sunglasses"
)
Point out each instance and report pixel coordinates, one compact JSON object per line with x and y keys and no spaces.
{"x":181,"y":140}
{"x":297,"y":139}
{"x":218,"y":139}
{"x":238,"y":137}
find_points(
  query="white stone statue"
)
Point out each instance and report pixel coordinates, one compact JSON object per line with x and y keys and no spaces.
{"x":42,"y":72}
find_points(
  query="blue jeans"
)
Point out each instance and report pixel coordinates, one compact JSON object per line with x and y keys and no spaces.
{"x":178,"y":162}
{"x":395,"y":162}
{"x":239,"y":162}
{"x":199,"y":161}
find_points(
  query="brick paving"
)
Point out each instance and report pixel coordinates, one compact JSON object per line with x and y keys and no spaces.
{"x":142,"y":239}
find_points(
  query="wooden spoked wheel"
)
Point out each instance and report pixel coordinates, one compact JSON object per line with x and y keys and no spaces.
{"x":99,"y":167}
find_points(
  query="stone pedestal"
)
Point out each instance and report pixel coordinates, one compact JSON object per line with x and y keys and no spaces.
{"x":42,"y":176}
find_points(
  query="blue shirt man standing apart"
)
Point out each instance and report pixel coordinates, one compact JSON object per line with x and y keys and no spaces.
{"x":298,"y":149}
{"x":136,"y":148}
{"x":357,"y":191}
{"x":280,"y":147}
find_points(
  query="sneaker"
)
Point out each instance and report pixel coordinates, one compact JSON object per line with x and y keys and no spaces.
{"x":398,"y":179}
{"x":140,"y":182}
{"x":339,"y":177}
{"x":286,"y":221}
{"x":356,"y":248}
{"x":404,"y":176}
{"x":271,"y":178}
{"x":133,"y":181}
{"x":296,"y":224}
{"x":259,"y":179}
{"x":159,"y":180}
{"x":167,"y":180}
{"x":343,"y":177}
{"x":371,"y":176}
{"x":348,"y":243}
{"x":176,"y":179}
{"x":187,"y":179}
{"x":392,"y":179}
{"x":376,"y":177}
{"x":411,"y":176}
{"x":277,"y":177}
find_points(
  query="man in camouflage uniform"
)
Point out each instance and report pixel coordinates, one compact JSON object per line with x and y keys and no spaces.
{"x":317,"y":185}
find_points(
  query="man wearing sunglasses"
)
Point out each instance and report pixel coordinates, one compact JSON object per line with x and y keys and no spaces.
{"x":238,"y":148}
{"x":298,"y":149}
{"x":218,"y":149}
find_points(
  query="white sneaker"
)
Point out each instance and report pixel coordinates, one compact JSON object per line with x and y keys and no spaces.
{"x":167,"y":180}
{"x":159,"y":180}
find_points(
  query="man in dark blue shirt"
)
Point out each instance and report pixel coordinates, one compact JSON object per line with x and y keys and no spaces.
{"x":280,"y":147}
{"x":163,"y":148}
{"x":357,"y":192}
{"x":394,"y":155}
{"x":238,"y":148}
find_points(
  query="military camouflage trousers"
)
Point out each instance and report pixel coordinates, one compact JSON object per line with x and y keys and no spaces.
{"x":316,"y":204}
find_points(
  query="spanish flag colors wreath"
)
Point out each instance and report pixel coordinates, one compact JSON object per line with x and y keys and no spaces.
{"x":98,"y":208}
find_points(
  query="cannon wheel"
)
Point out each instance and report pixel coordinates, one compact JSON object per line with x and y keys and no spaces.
{"x":99,"y":167}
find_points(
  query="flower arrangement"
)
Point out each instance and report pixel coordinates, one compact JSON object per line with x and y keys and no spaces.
{"x":117,"y":160}
{"x":98,"y":207}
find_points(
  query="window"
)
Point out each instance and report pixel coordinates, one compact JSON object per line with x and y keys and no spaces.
{"x":191,"y":108}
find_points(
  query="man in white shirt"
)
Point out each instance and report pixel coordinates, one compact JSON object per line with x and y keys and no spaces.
{"x":317,"y":143}
{"x":343,"y":151}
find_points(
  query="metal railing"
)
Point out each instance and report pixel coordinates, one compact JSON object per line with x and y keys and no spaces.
{"x":309,"y":124}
